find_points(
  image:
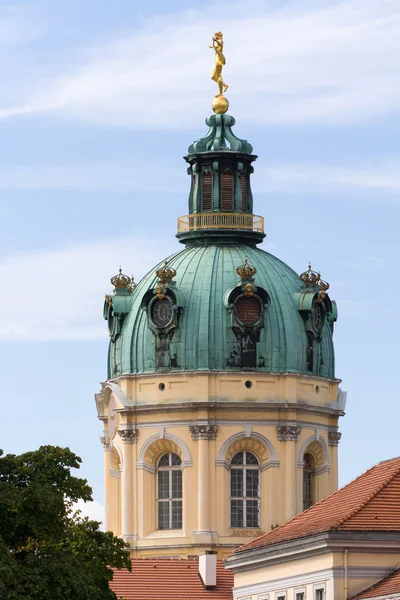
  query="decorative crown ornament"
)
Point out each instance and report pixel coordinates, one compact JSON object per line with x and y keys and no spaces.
{"x":123,"y":282}
{"x":313,"y":279}
{"x":246,"y":272}
{"x":166,"y":273}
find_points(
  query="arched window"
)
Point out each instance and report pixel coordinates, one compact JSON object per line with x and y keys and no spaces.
{"x":169,"y":492}
{"x":308,"y":481}
{"x":245,"y":490}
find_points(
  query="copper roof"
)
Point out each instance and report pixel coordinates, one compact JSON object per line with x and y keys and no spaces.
{"x":369,"y":503}
{"x":169,"y":579}
{"x":387,"y":586}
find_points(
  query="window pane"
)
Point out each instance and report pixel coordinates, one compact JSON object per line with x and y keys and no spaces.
{"x":164,"y":461}
{"x":163,"y":515}
{"x":163,"y":484}
{"x":319,"y":594}
{"x":251,"y":483}
{"x":238,"y":459}
{"x":176,"y":514}
{"x":175,"y":460}
{"x":237,"y":483}
{"x":236,"y":513}
{"x":176,"y":484}
{"x":251,"y":459}
{"x":300,"y":596}
{"x":307,"y":490}
{"x":252,"y":513}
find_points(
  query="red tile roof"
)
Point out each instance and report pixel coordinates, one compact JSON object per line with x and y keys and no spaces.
{"x":169,"y":579}
{"x":369,"y":503}
{"x":385,"y":587}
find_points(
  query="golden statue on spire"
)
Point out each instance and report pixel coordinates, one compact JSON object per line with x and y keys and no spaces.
{"x":220,"y":104}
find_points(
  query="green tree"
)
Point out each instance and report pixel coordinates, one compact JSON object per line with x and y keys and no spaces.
{"x":47,"y":550}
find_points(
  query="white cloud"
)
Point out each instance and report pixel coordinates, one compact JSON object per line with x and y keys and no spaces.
{"x":383,"y":177}
{"x":94,"y":510}
{"x":62,"y":292}
{"x":137,"y":177}
{"x":327,"y":62}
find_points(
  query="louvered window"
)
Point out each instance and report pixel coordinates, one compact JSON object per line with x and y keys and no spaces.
{"x":243,"y":187}
{"x":227,"y":192}
{"x":207,"y":192}
{"x":248,"y":310}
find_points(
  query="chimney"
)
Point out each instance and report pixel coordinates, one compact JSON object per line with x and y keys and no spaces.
{"x":208,"y":569}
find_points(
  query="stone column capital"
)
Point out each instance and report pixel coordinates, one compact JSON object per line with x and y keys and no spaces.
{"x":334,"y":438}
{"x":203,"y":431}
{"x":128,"y":436}
{"x":106,"y":442}
{"x":288,"y":433}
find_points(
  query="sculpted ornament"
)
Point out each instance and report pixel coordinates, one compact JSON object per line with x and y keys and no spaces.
{"x":288,"y":433}
{"x":106,"y":443}
{"x":203,"y":432}
{"x":334,"y":438}
{"x":128,"y":436}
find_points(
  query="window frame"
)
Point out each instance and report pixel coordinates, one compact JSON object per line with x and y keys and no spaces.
{"x":307,"y":503}
{"x":318,"y":587}
{"x":170,"y":468}
{"x":244,"y":468}
{"x":281,"y":595}
{"x":301,"y":590}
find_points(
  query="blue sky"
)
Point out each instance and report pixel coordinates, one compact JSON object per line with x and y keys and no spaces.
{"x":99,"y":102}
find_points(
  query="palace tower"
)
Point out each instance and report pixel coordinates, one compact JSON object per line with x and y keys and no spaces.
{"x":221,"y":404}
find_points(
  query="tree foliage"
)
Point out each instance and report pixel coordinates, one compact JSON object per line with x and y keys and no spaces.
{"x":47,"y":550}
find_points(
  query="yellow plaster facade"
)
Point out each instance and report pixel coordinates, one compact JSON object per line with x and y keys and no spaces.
{"x":206,"y":418}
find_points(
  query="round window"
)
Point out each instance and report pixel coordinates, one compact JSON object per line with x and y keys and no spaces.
{"x":248,"y":310}
{"x":161,"y":312}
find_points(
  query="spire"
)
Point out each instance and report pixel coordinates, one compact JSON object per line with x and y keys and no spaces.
{"x":220,"y":165}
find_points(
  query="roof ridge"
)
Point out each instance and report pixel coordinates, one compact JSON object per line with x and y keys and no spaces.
{"x":369,"y":498}
{"x":370,"y":587}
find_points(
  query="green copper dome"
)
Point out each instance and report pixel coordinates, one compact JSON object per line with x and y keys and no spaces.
{"x":204,"y":338}
{"x":221,"y":304}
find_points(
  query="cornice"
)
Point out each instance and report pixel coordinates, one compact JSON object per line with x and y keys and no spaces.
{"x":322,"y":543}
{"x":228,"y":406}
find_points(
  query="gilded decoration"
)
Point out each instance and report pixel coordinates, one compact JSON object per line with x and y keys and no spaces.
{"x":246,"y":272}
{"x":122,"y":282}
{"x":288,"y":433}
{"x":203,"y":432}
{"x":220,"y":104}
{"x":165,"y":276}
{"x":313,"y":279}
{"x":334,"y":438}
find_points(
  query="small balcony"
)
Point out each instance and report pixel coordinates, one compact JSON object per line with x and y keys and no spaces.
{"x":221,"y":221}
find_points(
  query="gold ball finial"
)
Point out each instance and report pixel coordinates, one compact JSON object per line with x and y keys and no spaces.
{"x":220,"y":105}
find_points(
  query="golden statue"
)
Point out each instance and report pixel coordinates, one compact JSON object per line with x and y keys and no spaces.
{"x":220,"y":104}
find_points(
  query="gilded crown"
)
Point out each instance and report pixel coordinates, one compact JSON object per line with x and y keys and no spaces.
{"x":122,"y":282}
{"x":313,"y":279}
{"x":246,"y":272}
{"x":166,"y":273}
